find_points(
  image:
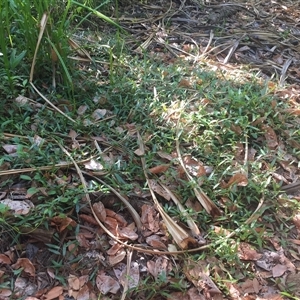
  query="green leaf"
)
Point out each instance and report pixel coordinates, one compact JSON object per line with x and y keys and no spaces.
{"x":31,"y":191}
{"x":26,"y":177}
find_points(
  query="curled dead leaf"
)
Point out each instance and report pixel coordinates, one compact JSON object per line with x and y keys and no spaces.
{"x":26,"y":264}
{"x":159,"y":169}
{"x":239,"y":179}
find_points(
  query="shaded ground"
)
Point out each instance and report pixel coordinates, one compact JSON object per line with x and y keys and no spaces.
{"x":230,"y":41}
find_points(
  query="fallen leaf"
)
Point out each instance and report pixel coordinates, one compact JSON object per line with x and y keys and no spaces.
{"x":114,"y":249}
{"x":158,"y":189}
{"x":155,"y":241}
{"x":128,"y":233}
{"x":99,"y":114}
{"x":100,"y":211}
{"x":82,"y":109}
{"x":139,"y":152}
{"x":239,"y":179}
{"x":184,"y":83}
{"x":278,"y":270}
{"x":106,"y":284}
{"x":150,"y":218}
{"x":270,"y":136}
{"x":94,"y":165}
{"x":18,"y":207}
{"x":84,"y":293}
{"x":247,"y":252}
{"x":10,"y":149}
{"x":198,"y":274}
{"x":160,"y":266}
{"x":73,"y":282}
{"x":61,"y":223}
{"x":26,"y":264}
{"x":247,"y":286}
{"x":133,"y":277}
{"x":54,"y":293}
{"x":5,"y":293}
{"x":118,"y":257}
{"x":120,"y":219}
{"x":164,"y":155}
{"x":159,"y":169}
{"x":4,"y":259}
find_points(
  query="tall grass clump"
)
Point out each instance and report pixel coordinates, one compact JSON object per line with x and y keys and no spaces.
{"x":20,"y":24}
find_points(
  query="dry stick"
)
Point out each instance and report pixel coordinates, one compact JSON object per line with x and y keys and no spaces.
{"x":246,"y":155}
{"x":125,"y":287}
{"x":27,"y":170}
{"x":283,"y":72}
{"x":180,"y":236}
{"x":208,"y":205}
{"x":205,"y":201}
{"x":51,"y":104}
{"x":191,"y":223}
{"x":211,"y":36}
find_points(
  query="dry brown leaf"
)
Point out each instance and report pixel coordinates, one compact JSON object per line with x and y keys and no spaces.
{"x":278,"y":270}
{"x":158,"y":189}
{"x":118,"y":257}
{"x":82,"y":241}
{"x":54,"y":293}
{"x":61,"y":223}
{"x":184,"y":83}
{"x":84,"y":293}
{"x":120,"y":219}
{"x":150,"y":218}
{"x":5,"y":293}
{"x":100,"y":211}
{"x":83,"y":280}
{"x":194,"y":167}
{"x":247,"y":286}
{"x":134,"y":274}
{"x":247,"y":252}
{"x":26,"y":264}
{"x":165,"y":155}
{"x":239,"y":152}
{"x":191,"y":294}
{"x":4,"y":259}
{"x":159,"y":266}
{"x":270,"y":136}
{"x":296,"y":221}
{"x":139,"y":152}
{"x":106,"y":284}
{"x":88,"y":219}
{"x":114,"y":249}
{"x":239,"y":179}
{"x":155,"y":241}
{"x":10,"y":149}
{"x":128,"y":233}
{"x":198,"y":274}
{"x":73,"y":282}
{"x":159,"y":169}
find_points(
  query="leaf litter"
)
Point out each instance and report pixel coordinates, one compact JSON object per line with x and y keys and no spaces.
{"x":102,"y":249}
